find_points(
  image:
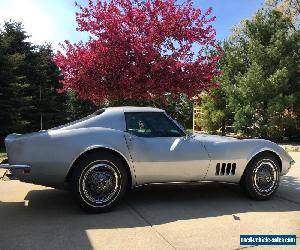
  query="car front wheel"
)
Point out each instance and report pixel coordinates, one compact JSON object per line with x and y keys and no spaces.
{"x":261,"y":177}
{"x":99,"y":181}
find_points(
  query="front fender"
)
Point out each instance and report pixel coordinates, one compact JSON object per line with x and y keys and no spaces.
{"x":265,"y":145}
{"x":240,"y":153}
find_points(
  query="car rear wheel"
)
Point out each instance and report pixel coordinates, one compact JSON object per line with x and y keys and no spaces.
{"x":261,"y":177}
{"x":99,"y":181}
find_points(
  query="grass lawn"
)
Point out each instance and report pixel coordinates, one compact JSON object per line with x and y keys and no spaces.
{"x":2,"y":154}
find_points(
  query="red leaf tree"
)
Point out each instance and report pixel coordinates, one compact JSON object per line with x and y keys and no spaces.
{"x":140,"y":50}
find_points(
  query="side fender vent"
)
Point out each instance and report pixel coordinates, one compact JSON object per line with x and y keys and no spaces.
{"x":225,"y":169}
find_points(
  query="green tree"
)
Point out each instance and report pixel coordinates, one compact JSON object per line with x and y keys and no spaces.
{"x":49,"y":108}
{"x":77,"y":108}
{"x":215,"y":113}
{"x":260,"y":80}
{"x":179,"y":108}
{"x":14,"y":100}
{"x":289,"y":8}
{"x":28,"y":85}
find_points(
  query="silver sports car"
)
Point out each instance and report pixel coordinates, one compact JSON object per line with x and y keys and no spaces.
{"x":115,"y":149}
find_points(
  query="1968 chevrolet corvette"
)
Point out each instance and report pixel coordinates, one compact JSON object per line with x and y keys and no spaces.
{"x":103,"y":155}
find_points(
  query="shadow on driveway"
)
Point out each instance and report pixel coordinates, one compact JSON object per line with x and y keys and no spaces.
{"x":51,"y":219}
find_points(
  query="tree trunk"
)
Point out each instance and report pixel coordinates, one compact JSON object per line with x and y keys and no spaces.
{"x":223,"y":128}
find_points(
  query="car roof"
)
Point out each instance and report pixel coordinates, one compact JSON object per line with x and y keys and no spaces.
{"x":112,"y":117}
{"x":134,"y":109}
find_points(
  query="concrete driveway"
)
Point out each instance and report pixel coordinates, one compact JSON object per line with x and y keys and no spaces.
{"x":206,"y":216}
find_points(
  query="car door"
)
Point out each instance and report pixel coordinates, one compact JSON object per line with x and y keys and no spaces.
{"x":160,"y":150}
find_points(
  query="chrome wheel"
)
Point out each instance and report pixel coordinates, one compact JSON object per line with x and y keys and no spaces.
{"x":265,"y":177}
{"x":100,"y":183}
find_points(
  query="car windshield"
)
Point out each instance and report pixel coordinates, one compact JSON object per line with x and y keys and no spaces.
{"x":178,"y":124}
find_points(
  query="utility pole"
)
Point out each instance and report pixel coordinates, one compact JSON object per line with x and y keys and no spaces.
{"x":41,"y":114}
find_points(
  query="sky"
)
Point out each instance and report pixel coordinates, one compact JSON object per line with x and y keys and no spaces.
{"x":54,"y":20}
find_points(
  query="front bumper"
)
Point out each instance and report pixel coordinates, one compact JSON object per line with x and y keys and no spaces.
{"x":288,"y":167}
